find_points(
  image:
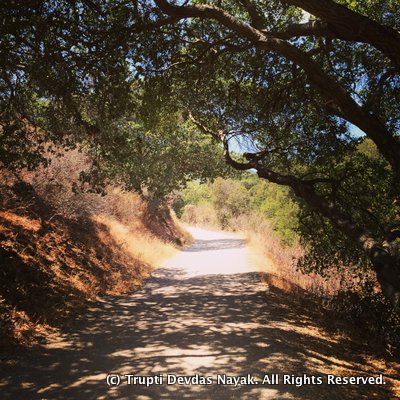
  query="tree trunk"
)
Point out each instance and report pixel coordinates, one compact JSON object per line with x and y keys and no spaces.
{"x":385,"y":264}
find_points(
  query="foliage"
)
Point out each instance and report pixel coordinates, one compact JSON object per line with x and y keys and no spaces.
{"x":231,"y":198}
{"x":51,"y":66}
{"x":293,"y":101}
{"x":156,"y":162}
{"x":115,"y":74}
{"x":66,"y":80}
{"x":366,"y":192}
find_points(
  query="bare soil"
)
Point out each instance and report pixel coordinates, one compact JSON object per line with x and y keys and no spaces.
{"x":205,"y":312}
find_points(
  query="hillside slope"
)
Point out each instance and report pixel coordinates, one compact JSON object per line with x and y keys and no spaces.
{"x":54,"y":263}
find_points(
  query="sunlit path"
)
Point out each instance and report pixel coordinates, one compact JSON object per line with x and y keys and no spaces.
{"x":204,"y":313}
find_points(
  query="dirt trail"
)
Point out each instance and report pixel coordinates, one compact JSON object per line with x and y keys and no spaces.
{"x":205,"y":312}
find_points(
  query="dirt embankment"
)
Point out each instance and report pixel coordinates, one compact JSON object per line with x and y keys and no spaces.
{"x":56,"y":257}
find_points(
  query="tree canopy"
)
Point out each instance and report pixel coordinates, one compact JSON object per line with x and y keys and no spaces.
{"x":289,"y":80}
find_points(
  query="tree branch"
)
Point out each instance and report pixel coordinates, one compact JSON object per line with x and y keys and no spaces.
{"x":384,"y":264}
{"x":256,"y":19}
{"x":313,"y":28}
{"x":354,"y":26}
{"x":211,"y":12}
{"x":220,"y":136}
{"x":345,"y":107}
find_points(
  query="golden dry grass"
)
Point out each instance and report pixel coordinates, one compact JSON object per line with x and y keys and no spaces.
{"x":278,"y":263}
{"x":60,"y":250}
{"x":136,"y":241}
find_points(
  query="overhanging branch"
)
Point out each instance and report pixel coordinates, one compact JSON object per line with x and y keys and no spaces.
{"x":345,"y":106}
{"x":313,"y":28}
{"x":350,"y":24}
{"x":256,"y":19}
{"x":220,"y":136}
{"x":385,"y":265}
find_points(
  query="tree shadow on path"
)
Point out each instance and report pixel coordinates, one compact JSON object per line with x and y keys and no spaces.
{"x":186,"y":325}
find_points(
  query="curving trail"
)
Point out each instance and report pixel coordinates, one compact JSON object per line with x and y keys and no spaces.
{"x":204,"y":312}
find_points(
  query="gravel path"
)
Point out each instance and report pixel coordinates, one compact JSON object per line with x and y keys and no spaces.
{"x":204,"y":314}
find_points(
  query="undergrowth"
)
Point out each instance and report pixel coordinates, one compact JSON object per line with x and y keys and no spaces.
{"x":59,"y":250}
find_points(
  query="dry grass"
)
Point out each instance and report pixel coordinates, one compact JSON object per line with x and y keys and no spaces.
{"x":202,"y":215}
{"x":60,"y":250}
{"x":278,"y":265}
{"x":135,"y":241}
{"x":340,"y":301}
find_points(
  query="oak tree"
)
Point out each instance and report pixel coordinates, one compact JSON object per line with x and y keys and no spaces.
{"x":296,"y":84}
{"x":296,"y":79}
